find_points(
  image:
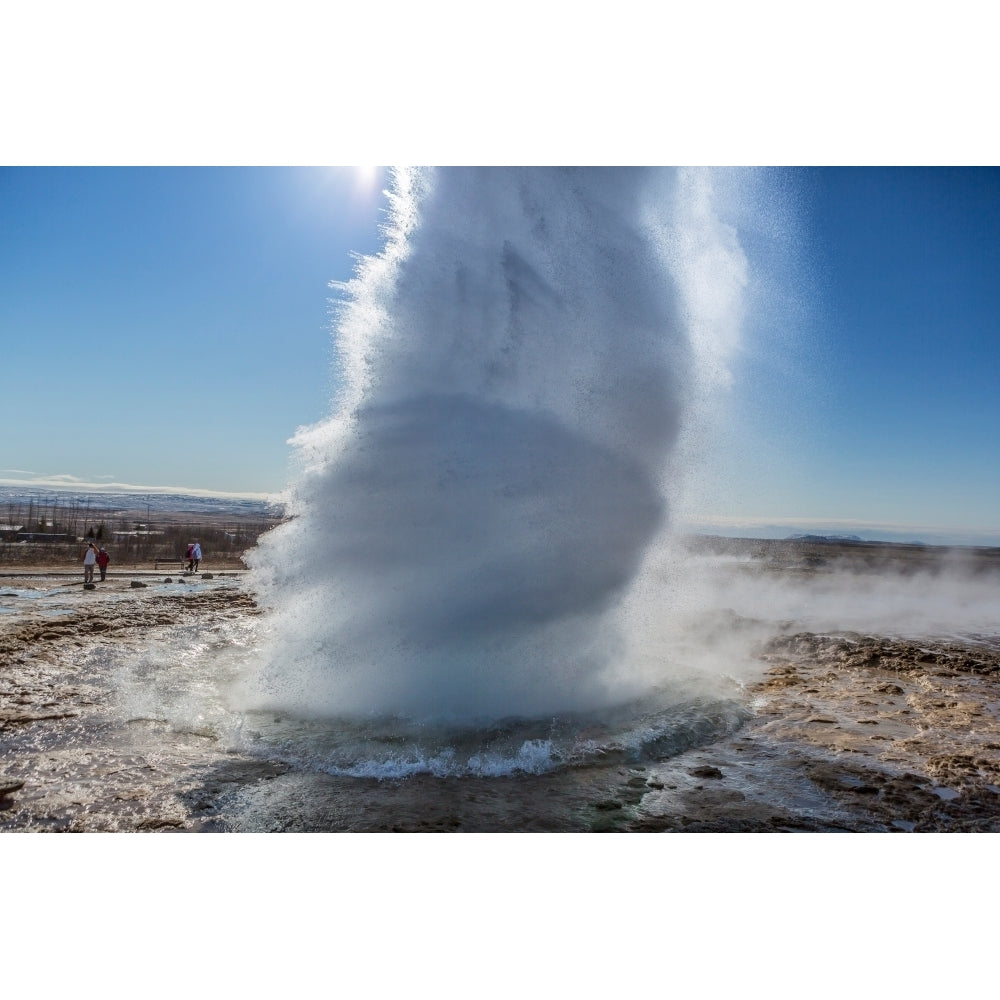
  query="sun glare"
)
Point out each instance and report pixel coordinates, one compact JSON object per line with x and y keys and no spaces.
{"x":366,"y":177}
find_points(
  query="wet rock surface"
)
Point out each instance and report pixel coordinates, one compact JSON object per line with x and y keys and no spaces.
{"x":852,"y":732}
{"x":849,"y":732}
{"x":64,"y":764}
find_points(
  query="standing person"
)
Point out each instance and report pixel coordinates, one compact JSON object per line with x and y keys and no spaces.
{"x":102,"y":561}
{"x":89,"y":561}
{"x":189,"y":556}
{"x":196,"y":554}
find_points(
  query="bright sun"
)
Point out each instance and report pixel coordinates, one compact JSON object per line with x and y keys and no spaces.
{"x":366,"y":176}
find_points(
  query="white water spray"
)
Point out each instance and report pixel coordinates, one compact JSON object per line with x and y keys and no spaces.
{"x":470,"y":528}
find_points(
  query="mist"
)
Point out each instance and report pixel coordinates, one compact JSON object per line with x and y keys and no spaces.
{"x":516,"y":371}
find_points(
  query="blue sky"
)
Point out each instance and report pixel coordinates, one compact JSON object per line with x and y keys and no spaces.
{"x":911,"y":261}
{"x":876,"y":410}
{"x":169,"y":327}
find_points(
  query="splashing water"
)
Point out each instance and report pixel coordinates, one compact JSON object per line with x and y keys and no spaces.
{"x":470,"y":528}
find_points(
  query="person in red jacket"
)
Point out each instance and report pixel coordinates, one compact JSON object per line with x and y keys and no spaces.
{"x":102,"y":561}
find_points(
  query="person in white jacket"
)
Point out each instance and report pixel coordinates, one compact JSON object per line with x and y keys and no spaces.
{"x":89,"y":562}
{"x":196,"y":555}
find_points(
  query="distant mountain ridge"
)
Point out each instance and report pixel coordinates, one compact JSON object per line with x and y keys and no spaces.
{"x":824,"y":538}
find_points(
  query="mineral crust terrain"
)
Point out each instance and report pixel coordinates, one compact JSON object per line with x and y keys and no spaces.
{"x":848,"y":730}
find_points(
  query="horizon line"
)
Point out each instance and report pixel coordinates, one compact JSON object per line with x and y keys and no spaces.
{"x":720,"y":524}
{"x":920,"y":533}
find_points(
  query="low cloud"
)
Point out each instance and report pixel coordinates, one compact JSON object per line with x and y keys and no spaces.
{"x":106,"y":484}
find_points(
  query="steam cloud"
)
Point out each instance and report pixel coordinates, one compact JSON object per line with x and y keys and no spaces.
{"x":516,"y":369}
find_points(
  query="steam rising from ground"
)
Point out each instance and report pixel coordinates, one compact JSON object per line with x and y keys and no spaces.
{"x":471,"y":525}
{"x":896,"y":591}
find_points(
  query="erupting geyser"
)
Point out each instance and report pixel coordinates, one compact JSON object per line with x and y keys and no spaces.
{"x":516,"y":368}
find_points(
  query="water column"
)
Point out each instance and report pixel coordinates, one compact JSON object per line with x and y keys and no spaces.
{"x":515,"y":369}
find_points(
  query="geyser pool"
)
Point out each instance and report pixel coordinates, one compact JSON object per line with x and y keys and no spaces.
{"x":515,"y":370}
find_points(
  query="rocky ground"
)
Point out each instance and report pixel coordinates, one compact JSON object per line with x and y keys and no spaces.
{"x":850,"y":731}
{"x":63,"y":765}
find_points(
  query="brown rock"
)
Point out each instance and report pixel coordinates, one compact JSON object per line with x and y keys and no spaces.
{"x":706,"y":771}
